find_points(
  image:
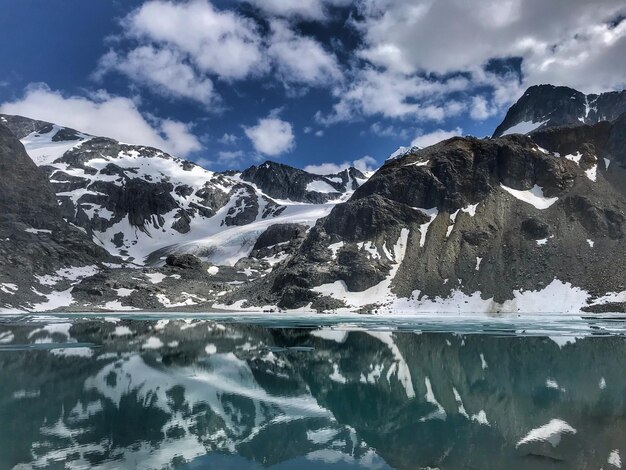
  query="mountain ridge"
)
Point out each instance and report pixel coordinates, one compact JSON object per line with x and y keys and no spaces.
{"x":498,"y":225}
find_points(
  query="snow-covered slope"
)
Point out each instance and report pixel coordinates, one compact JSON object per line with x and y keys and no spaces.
{"x":141,"y":203}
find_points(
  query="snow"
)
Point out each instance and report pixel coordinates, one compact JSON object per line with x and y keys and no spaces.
{"x":73,"y":352}
{"x":459,"y":402}
{"x":404,"y":374}
{"x":574,"y":157}
{"x":54,"y":300}
{"x":551,"y":383}
{"x":374,"y":294}
{"x":210,"y":348}
{"x":401,"y":152}
{"x":439,"y":412}
{"x":123,"y":292}
{"x":152,"y":343}
{"x":37,"y":230}
{"x":471,"y":209}
{"x":8,"y":288}
{"x":117,"y":306}
{"x":614,"y":459}
{"x":432,"y":213}
{"x":155,"y":278}
{"x":478,"y":261}
{"x":67,"y":274}
{"x":590,"y":242}
{"x":551,"y":433}
{"x":483,"y":362}
{"x":592,"y":173}
{"x":321,"y":436}
{"x":481,"y":418}
{"x":320,"y":186}
{"x":44,"y":151}
{"x":532,"y":196}
{"x":418,"y":163}
{"x":335,"y":247}
{"x":213,"y":270}
{"x":370,"y":247}
{"x":607,"y":162}
{"x":336,"y":376}
{"x":122,"y":331}
{"x":6,"y":337}
{"x":330,"y":334}
{"x":452,"y":222}
{"x":602,"y":383}
{"x":524,"y":127}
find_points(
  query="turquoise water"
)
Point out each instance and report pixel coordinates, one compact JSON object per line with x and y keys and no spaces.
{"x":252,"y":392}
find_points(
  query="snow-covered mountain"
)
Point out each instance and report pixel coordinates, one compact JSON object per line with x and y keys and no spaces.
{"x":141,"y":204}
{"x":545,"y":106}
{"x":511,"y":224}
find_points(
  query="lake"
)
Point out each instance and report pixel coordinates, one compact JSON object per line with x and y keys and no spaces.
{"x":312,"y":392}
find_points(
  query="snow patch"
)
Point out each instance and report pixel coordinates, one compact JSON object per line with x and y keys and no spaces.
{"x":320,"y":186}
{"x":551,"y":433}
{"x":532,"y":196}
{"x":524,"y":127}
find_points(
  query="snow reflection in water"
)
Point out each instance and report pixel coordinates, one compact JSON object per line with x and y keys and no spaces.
{"x":302,"y":392}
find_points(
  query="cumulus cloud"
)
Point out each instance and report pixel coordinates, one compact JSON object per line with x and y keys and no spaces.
{"x":228,"y":139}
{"x":570,"y":42}
{"x":161,"y":68}
{"x":365,"y":164}
{"x":220,"y":42}
{"x":431,"y":138}
{"x":304,"y":9}
{"x":271,"y":136}
{"x":375,"y":92}
{"x":104,"y":115}
{"x":301,"y":59}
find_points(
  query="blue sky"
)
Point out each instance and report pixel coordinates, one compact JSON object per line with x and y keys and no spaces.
{"x":317,"y":83}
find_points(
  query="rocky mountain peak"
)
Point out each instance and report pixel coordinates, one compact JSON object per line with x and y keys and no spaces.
{"x":544,"y":106}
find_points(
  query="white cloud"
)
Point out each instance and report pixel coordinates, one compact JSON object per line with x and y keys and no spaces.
{"x":104,"y":115}
{"x":480,"y":108}
{"x":365,"y":164}
{"x":394,"y":95}
{"x":164,"y":70}
{"x":305,"y":9}
{"x":301,"y":59}
{"x":381,"y":130}
{"x":220,"y":42}
{"x":271,"y":136}
{"x":228,"y":139}
{"x":230,"y":157}
{"x":562,"y":41}
{"x":431,"y":138}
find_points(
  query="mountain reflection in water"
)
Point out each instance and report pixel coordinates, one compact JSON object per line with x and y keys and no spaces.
{"x":152,"y":394}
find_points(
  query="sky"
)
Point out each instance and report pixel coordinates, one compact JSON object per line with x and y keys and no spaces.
{"x":317,"y":84}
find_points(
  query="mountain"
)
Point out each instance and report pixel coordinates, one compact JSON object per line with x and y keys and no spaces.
{"x":512,"y":224}
{"x":140,"y":203}
{"x":35,"y":241}
{"x":496,"y":225}
{"x":545,"y":106}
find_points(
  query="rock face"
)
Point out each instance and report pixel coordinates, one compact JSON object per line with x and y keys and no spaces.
{"x":34,"y":238}
{"x":285,"y":182}
{"x":545,"y":106}
{"x":491,"y":225}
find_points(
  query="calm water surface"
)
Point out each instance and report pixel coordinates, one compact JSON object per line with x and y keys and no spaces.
{"x":311,"y":393}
